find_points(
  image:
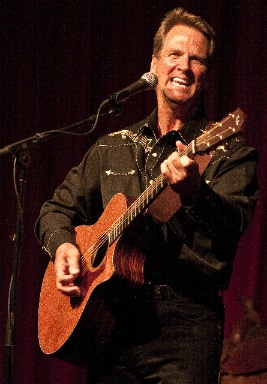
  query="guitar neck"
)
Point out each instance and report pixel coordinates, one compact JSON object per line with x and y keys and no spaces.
{"x":139,"y":205}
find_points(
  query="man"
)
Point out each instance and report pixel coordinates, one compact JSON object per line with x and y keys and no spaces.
{"x":171,"y":329}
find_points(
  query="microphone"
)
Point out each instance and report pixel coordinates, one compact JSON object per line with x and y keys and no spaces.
{"x":148,"y":81}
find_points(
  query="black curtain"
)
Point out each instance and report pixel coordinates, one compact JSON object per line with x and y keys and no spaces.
{"x":59,"y":60}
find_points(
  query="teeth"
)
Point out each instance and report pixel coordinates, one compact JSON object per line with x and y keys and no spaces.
{"x":179,"y":81}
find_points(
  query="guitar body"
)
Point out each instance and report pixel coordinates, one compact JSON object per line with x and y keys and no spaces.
{"x":63,"y":320}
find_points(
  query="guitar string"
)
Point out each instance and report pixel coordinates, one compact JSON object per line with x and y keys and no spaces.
{"x":128,"y":216}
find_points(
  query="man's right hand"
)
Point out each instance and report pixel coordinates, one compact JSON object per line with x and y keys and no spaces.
{"x":67,"y":269}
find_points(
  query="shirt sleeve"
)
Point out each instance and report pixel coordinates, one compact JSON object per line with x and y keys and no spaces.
{"x":210,"y":229}
{"x":228,"y":194}
{"x":76,"y":201}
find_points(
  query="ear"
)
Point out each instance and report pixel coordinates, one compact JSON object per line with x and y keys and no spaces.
{"x":153,"y":64}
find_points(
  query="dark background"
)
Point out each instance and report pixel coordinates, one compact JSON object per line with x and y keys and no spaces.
{"x":59,"y":60}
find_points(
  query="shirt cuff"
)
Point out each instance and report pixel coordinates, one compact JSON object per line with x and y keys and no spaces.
{"x":202,"y":204}
{"x":56,"y":239}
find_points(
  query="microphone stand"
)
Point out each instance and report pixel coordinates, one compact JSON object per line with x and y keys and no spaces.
{"x":22,"y":159}
{"x":20,"y":152}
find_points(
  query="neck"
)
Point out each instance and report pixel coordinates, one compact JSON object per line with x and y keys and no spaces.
{"x":174,"y":117}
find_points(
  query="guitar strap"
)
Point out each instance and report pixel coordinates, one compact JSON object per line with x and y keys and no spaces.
{"x":168,"y":201}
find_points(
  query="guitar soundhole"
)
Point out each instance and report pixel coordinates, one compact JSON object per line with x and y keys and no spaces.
{"x":100,"y":251}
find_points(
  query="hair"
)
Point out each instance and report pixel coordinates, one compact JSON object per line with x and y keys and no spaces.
{"x":179,"y":16}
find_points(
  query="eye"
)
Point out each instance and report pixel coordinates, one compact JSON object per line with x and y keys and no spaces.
{"x":198,"y":60}
{"x":175,"y":53}
{"x":174,"y":56}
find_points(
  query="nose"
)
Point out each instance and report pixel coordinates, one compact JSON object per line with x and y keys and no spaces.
{"x":184,"y":62}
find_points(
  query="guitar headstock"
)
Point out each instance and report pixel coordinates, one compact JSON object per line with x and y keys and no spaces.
{"x":224,"y":129}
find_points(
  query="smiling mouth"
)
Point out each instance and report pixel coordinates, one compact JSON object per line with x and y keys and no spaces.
{"x":179,"y":82}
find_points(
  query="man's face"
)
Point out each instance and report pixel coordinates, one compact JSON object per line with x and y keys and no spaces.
{"x":181,"y":67}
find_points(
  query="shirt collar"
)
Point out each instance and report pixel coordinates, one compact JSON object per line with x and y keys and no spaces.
{"x":187,"y":133}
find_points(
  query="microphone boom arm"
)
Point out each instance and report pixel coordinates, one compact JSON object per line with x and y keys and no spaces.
{"x":13,"y":148}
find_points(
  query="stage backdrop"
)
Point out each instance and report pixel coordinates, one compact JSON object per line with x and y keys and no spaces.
{"x":59,"y":60}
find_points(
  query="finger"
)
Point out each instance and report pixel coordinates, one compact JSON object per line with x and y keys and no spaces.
{"x":71,"y":291}
{"x":180,"y":147}
{"x":186,"y":162}
{"x":66,"y":284}
{"x":164,"y":167}
{"x":167,"y":169}
{"x":74,"y":264}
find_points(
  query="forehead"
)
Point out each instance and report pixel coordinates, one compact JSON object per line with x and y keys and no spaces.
{"x":186,"y":38}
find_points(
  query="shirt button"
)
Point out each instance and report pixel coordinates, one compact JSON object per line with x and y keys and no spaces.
{"x":150,"y":181}
{"x":154,"y":154}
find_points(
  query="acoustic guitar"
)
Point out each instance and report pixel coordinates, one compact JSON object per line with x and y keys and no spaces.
{"x":66,"y":323}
